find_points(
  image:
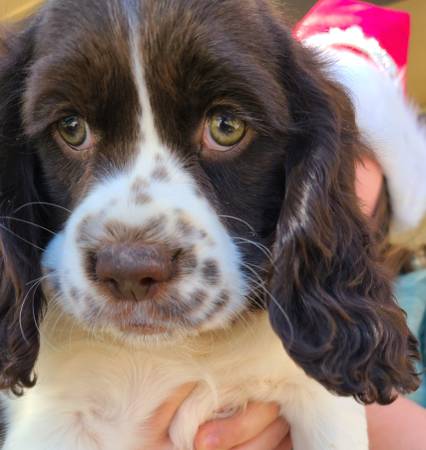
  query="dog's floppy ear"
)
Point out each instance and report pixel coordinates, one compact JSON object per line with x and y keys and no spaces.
{"x":333,"y":305}
{"x":21,"y":221}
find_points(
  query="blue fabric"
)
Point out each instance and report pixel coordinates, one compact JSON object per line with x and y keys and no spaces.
{"x":411,"y":294}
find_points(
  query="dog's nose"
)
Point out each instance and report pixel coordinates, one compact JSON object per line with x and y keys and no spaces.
{"x":132,"y":271}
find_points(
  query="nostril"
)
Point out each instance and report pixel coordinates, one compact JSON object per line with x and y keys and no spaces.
{"x":111,"y":282}
{"x":113,"y":286}
{"x":176,"y":255}
{"x":147,"y":282}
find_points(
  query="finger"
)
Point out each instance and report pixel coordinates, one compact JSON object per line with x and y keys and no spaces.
{"x":272,"y":437}
{"x":286,"y":444}
{"x":159,"y":423}
{"x":244,"y":426}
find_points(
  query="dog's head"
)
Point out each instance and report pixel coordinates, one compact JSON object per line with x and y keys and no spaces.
{"x":168,"y":166}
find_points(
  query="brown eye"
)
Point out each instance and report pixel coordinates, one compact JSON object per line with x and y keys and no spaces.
{"x":75,"y":132}
{"x":226,"y":129}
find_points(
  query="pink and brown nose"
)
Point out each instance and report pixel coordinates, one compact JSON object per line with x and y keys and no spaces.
{"x":132,"y":271}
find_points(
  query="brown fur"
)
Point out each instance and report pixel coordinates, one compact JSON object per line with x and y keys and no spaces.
{"x":293,"y":182}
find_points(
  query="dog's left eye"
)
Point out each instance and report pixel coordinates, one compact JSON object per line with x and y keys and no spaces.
{"x":75,"y":132}
{"x":226,"y":129}
{"x":224,"y":132}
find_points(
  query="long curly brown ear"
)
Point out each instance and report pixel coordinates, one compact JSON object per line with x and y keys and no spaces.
{"x":21,"y":223}
{"x":334,"y":308}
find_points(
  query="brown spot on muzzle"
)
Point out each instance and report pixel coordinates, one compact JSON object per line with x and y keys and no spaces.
{"x":188,"y":261}
{"x":139,"y":190}
{"x":210,"y":271}
{"x":185,"y":227}
{"x":160,"y":174}
{"x":139,"y":185}
{"x":199,"y":297}
{"x":143,"y":199}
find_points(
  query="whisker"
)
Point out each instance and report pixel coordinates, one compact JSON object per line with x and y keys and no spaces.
{"x":256,"y":293}
{"x":70,"y":333}
{"x":254,"y":296}
{"x":257,"y":244}
{"x":32,"y":307}
{"x":36,"y":284}
{"x":271,"y":297}
{"x":53,"y":307}
{"x":238,"y":219}
{"x":96,"y":335}
{"x":253,"y":271}
{"x":3,"y":227}
{"x":256,"y":266}
{"x":247,"y":324}
{"x":266,"y":252}
{"x":53,"y":205}
{"x":36,"y":225}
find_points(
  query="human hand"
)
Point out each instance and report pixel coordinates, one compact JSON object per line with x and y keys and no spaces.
{"x":258,"y":427}
{"x":158,"y":425}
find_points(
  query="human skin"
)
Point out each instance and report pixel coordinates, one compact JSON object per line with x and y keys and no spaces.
{"x":399,"y":426}
{"x":258,"y":427}
{"x":368,"y":184}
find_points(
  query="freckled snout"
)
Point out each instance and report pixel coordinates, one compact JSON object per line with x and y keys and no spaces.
{"x":133,"y":271}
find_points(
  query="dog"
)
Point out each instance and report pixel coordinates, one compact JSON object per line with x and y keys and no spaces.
{"x":177,"y":205}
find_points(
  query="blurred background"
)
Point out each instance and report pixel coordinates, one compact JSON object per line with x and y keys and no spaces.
{"x":11,"y":10}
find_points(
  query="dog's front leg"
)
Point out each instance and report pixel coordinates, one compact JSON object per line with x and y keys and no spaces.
{"x":320,"y":420}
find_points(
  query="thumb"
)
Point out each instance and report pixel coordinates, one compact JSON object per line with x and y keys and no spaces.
{"x":158,"y":425}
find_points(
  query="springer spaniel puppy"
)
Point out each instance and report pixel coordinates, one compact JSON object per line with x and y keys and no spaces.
{"x":175,"y":177}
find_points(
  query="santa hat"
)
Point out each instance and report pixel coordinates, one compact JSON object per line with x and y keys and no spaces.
{"x":368,"y":49}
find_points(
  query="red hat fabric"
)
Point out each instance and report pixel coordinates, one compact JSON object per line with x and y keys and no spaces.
{"x":366,"y":50}
{"x":383,"y":34}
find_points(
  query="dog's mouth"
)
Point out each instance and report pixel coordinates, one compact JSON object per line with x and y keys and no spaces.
{"x":143,"y":329}
{"x":194,"y":298}
{"x":160,"y":318}
{"x":149,"y":315}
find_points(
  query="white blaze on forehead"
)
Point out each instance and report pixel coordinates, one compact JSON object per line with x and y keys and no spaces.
{"x":147,"y":120}
{"x":150,"y":147}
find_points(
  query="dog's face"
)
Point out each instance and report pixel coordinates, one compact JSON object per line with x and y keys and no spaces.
{"x":165,"y":140}
{"x":194,"y":165}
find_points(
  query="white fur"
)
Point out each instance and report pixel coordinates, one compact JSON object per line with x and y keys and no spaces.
{"x":97,"y":394}
{"x":389,"y":123}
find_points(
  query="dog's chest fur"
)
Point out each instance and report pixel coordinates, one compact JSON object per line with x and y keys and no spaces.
{"x":100,"y":395}
{"x":101,"y":391}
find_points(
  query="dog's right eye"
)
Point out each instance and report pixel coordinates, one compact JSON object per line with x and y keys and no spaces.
{"x":75,"y":132}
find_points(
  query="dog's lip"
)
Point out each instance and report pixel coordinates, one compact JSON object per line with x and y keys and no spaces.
{"x":125,"y":317}
{"x":134,"y":319}
{"x":143,"y":328}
